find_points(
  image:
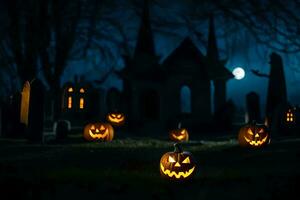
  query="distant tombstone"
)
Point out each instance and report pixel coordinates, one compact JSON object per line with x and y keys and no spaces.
{"x":224,"y":116}
{"x":253,"y":109}
{"x":25,"y":103}
{"x":61,"y":129}
{"x":36,"y":111}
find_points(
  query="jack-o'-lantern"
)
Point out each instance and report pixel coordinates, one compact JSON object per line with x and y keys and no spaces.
{"x":179,"y":134}
{"x":98,"y":132}
{"x":116,"y":118}
{"x":254,"y":135}
{"x":178,"y":165}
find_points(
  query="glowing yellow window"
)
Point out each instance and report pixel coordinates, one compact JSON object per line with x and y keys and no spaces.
{"x":289,"y":117}
{"x":69,"y":102}
{"x":81,"y":90}
{"x":70,"y":89}
{"x":81,"y":103}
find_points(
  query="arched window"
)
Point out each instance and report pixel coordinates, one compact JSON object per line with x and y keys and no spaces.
{"x":185,"y":99}
{"x":81,"y":103}
{"x":290,"y":116}
{"x":69,"y":102}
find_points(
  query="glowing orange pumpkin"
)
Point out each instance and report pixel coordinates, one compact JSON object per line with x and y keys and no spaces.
{"x":116,"y":119}
{"x":179,"y":135}
{"x":98,"y":131}
{"x":254,"y":135}
{"x":178,"y":165}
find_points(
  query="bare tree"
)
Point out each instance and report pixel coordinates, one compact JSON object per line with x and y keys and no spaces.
{"x":272,"y":23}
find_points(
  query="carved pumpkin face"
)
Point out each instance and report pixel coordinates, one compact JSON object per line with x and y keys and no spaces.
{"x":254,"y":135}
{"x":98,"y":131}
{"x":177,"y":165}
{"x":116,"y":119}
{"x":179,"y":135}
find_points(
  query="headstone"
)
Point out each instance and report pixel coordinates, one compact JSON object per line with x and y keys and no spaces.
{"x":253,"y":108}
{"x":277,"y":94}
{"x":224,"y":116}
{"x":36,"y":112}
{"x":25,"y":98}
{"x":61,"y":129}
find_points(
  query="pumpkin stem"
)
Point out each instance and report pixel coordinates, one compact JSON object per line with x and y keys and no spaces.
{"x":177,"y":148}
{"x":179,"y":125}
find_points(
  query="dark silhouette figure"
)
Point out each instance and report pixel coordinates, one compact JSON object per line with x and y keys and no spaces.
{"x":277,"y":95}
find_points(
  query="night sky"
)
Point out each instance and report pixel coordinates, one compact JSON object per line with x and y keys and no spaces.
{"x":171,"y":23}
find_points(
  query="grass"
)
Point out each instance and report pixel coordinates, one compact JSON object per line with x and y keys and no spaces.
{"x":128,"y":168}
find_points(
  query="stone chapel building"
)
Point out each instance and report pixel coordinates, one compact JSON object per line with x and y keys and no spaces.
{"x":153,"y":92}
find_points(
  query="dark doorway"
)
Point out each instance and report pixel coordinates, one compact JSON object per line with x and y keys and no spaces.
{"x":149,"y":103}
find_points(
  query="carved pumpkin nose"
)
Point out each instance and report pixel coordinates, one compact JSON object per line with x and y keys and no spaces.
{"x":177,"y":164}
{"x":97,"y":130}
{"x":256,"y":135}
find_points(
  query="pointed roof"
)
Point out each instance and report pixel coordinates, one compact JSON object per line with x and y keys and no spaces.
{"x":212,"y":47}
{"x":210,"y":64}
{"x":136,"y":67}
{"x":145,"y":42}
{"x":186,"y":49}
{"x":216,"y":66}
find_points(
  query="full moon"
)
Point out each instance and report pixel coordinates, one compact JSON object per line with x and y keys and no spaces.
{"x":239,"y":73}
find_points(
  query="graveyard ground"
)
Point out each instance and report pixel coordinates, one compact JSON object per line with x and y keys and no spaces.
{"x":128,"y":169}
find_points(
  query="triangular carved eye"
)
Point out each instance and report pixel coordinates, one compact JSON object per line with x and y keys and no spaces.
{"x":92,"y":127}
{"x":261,"y":130}
{"x":113,"y":115}
{"x":187,"y":160}
{"x":250,"y":131}
{"x":119,"y":116}
{"x":102,"y":128}
{"x":171,"y":159}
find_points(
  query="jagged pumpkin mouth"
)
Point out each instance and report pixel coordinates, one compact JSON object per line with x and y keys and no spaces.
{"x":116,"y":118}
{"x":179,"y":137}
{"x":177,"y":175}
{"x":256,"y":142}
{"x":98,"y":134}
